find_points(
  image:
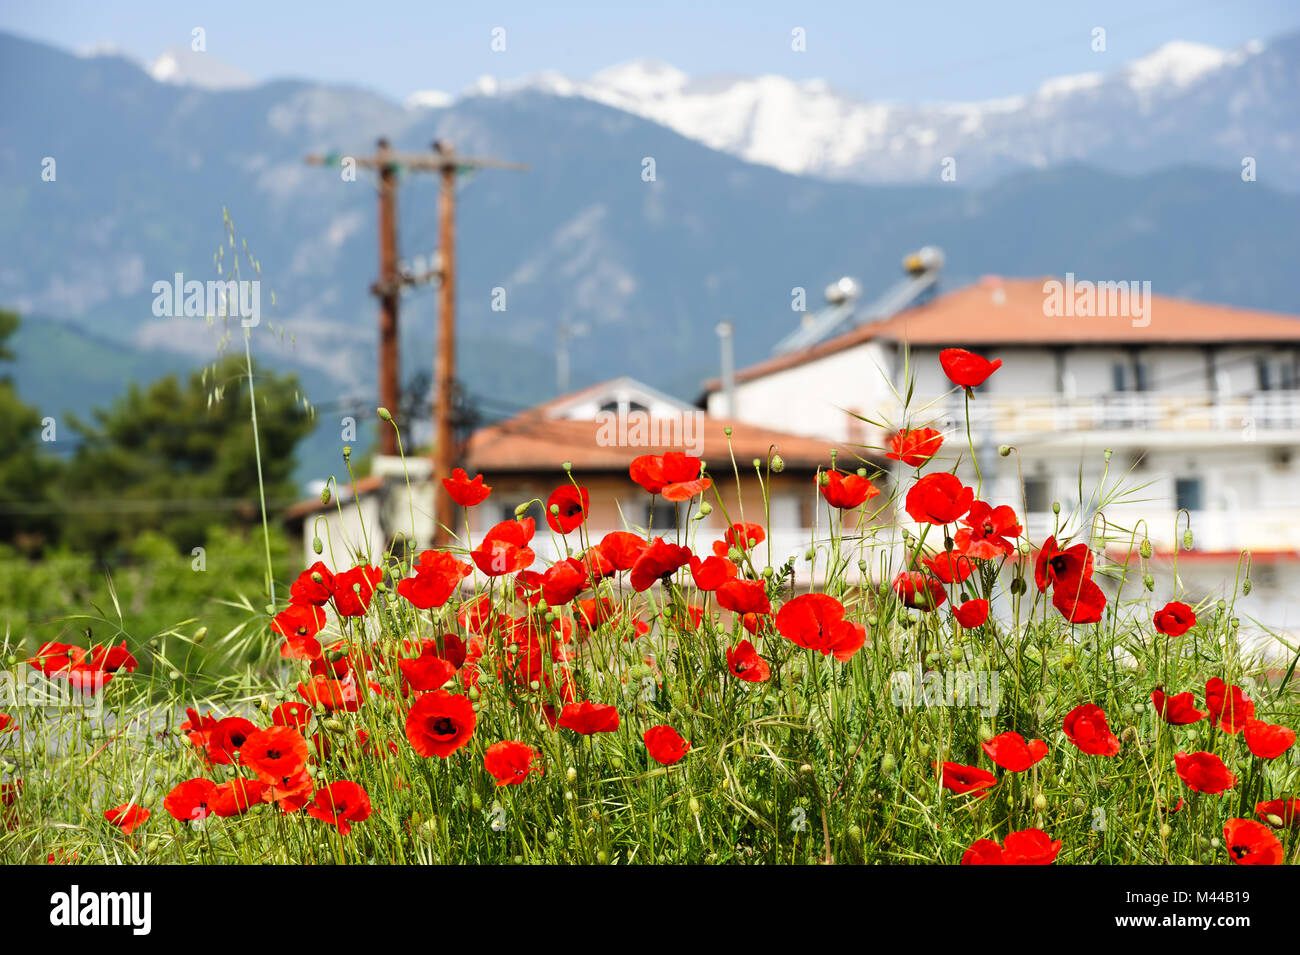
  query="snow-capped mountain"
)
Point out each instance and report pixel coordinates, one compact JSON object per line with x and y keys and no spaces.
{"x":1152,"y":112}
{"x":185,"y":67}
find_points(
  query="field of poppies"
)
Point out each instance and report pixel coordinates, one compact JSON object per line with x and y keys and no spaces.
{"x":952,"y":693}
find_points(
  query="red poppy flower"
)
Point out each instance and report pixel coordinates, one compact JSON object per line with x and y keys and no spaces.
{"x":1174,"y":619}
{"x":198,"y":729}
{"x":112,"y":658}
{"x":299,"y":624}
{"x":665,"y":745}
{"x":973,"y":613}
{"x":988,"y":532}
{"x":744,"y":596}
{"x":274,"y":754}
{"x":292,"y":713}
{"x":961,"y":779}
{"x":1251,"y":843}
{"x":712,"y":572}
{"x":845,"y":491}
{"x":510,"y":762}
{"x":1177,"y":710}
{"x":290,"y":793}
{"x":1267,"y":740}
{"x":428,"y":671}
{"x":504,"y":549}
{"x":674,"y":475}
{"x":236,"y":797}
{"x":566,"y":508}
{"x":1228,"y":706}
{"x":1203,"y":772}
{"x":128,"y":817}
{"x":563,"y":581}
{"x":1053,"y":564}
{"x":740,"y":536}
{"x":915,"y":446}
{"x":919,"y":591}
{"x":1010,"y":751}
{"x":1079,"y":600}
{"x":1086,"y":727}
{"x":949,"y":567}
{"x":939,"y":499}
{"x":588,"y":718}
{"x":6,"y":722}
{"x":816,"y":622}
{"x":437,"y":576}
{"x":1029,"y":847}
{"x":226,"y":737}
{"x":598,"y":565}
{"x":1280,"y":812}
{"x":440,"y":723}
{"x":341,"y":804}
{"x":744,"y":663}
{"x":353,"y":589}
{"x":465,"y":492}
{"x":658,"y":561}
{"x":313,"y":586}
{"x":192,"y":799}
{"x":331,"y":694}
{"x":982,"y":852}
{"x":966,"y":369}
{"x":622,"y":548}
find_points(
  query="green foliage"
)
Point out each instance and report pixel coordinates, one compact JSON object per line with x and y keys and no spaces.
{"x":174,"y":455}
{"x":26,"y":505}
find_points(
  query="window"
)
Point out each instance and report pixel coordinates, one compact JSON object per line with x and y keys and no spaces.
{"x":1130,"y":376}
{"x":661,"y":515}
{"x":1187,"y":494}
{"x":1119,"y":376}
{"x":1037,"y":495}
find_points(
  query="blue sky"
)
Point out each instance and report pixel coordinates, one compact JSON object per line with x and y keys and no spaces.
{"x":927,"y":49}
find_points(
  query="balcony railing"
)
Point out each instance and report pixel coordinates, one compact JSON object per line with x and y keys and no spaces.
{"x":1149,"y":411}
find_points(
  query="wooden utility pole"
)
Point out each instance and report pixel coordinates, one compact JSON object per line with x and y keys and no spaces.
{"x":448,"y":165}
{"x":388,"y":290}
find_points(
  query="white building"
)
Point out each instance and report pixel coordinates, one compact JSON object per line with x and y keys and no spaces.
{"x":1197,"y":403}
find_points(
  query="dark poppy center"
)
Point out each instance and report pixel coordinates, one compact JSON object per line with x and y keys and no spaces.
{"x":272,"y":754}
{"x":443,"y":726}
{"x":988,"y":528}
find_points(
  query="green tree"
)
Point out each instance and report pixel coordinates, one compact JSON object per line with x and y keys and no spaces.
{"x":27,"y":474}
{"x":178,"y":457}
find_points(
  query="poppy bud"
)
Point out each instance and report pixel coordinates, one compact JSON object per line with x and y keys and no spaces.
{"x":555,"y":510}
{"x":12,"y":659}
{"x":1166,"y":830}
{"x":384,"y":415}
{"x":706,"y":509}
{"x":1067,"y":661}
{"x":325,"y":494}
{"x":347,"y":452}
{"x":1004,"y":450}
{"x":316,"y":577}
{"x":1188,"y":540}
{"x":1129,"y":735}
{"x":694,"y":806}
{"x":1274,"y":820}
{"x":823,"y":478}
{"x":805,"y":770}
{"x":986,"y":734}
{"x":767,"y":572}
{"x":757,"y":464}
{"x":727,"y":431}
{"x":1145,"y":549}
{"x":808,"y":556}
{"x":571,"y":774}
{"x":602,"y":857}
{"x":567,"y":465}
{"x":778,"y":464}
{"x":1018,"y":586}
{"x":317,"y":545}
{"x":334,"y":656}
{"x":200,"y":635}
{"x":1245,"y":586}
{"x":1040,"y":802}
{"x":334,"y":726}
{"x":1056,"y":507}
{"x":888,"y":764}
{"x":1148,"y":582}
{"x":174,"y":675}
{"x":854,"y":832}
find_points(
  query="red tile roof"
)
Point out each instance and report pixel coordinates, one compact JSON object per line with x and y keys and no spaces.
{"x":1008,"y":312}
{"x":533,"y":442}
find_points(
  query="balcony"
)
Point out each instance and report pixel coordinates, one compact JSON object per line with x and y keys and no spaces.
{"x":1262,"y":416}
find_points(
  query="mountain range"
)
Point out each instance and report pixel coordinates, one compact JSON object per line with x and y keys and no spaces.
{"x":638,"y":269}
